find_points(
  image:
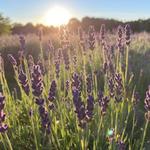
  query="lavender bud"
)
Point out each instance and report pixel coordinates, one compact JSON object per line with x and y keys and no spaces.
{"x":120,"y":38}
{"x":12,"y":59}
{"x":66,"y":59}
{"x":111,"y":87}
{"x":37,"y":83}
{"x":90,"y":107}
{"x":57,"y":68}
{"x":91,"y":38}
{"x":121,"y":145}
{"x":118,"y":87}
{"x":147,"y":99}
{"x":67,"y":87}
{"x":76,"y":82}
{"x":89,"y":84}
{"x":102,"y":33}
{"x":127,"y":34}
{"x":52,"y":91}
{"x":103,"y":102}
{"x":79,"y":107}
{"x":24,"y":82}
{"x":3,"y":127}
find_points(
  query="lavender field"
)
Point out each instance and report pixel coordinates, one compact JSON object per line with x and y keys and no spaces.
{"x":65,"y":91}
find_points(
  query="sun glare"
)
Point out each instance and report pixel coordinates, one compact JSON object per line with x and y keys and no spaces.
{"x":57,"y":16}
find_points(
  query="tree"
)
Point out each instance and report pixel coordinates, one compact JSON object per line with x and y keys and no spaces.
{"x":5,"y":27}
{"x":74,"y":24}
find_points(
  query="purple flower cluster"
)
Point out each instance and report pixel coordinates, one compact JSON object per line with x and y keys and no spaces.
{"x":67,"y":87}
{"x":3,"y":127}
{"x":12,"y":59}
{"x":147,"y":104}
{"x":30,"y":63}
{"x":118,"y":87}
{"x":102,"y":34}
{"x":82,"y":39}
{"x":89,"y":84}
{"x":64,"y":36}
{"x":90,"y":107}
{"x":57,"y":68}
{"x":84,"y":114}
{"x":50,"y":46}
{"x":37,"y":83}
{"x":66,"y":59}
{"x":105,"y":67}
{"x":79,"y":107}
{"x":91,"y":38}
{"x":111,"y":87}
{"x":52,"y":91}
{"x":127,"y":34}
{"x":24,"y":82}
{"x":136,"y":98}
{"x":76,"y":82}
{"x":120,"y":38}
{"x":74,"y":61}
{"x":121,"y":145}
{"x":46,"y":123}
{"x":103,"y":102}
{"x":108,"y":65}
{"x":40,"y":63}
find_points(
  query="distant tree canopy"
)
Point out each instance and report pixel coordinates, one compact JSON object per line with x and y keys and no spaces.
{"x":29,"y":28}
{"x":5,"y":27}
{"x":73,"y":25}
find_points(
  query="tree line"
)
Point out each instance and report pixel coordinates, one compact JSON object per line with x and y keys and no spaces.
{"x":6,"y":27}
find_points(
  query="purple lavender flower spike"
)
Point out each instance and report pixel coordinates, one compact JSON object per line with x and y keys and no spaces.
{"x":39,"y":62}
{"x":67,"y":87}
{"x":3,"y":127}
{"x":79,"y":107}
{"x":105,"y":67}
{"x":118,"y":87}
{"x":111,"y":87}
{"x":102,"y":34}
{"x":147,"y":104}
{"x":39,"y":101}
{"x":44,"y":119}
{"x":120,"y":38}
{"x":91,"y":39}
{"x":127,"y":34}
{"x":121,"y":145}
{"x":89,"y":84}
{"x":76,"y":82}
{"x":24,"y":82}
{"x":57,"y":68}
{"x":12,"y":59}
{"x":90,"y":107}
{"x":37,"y":83}
{"x":136,"y":98}
{"x":52,"y":91}
{"x":103,"y":102}
{"x":66,"y":59}
{"x":147,"y":99}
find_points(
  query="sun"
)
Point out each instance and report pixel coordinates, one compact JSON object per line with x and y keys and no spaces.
{"x":56,"y":16}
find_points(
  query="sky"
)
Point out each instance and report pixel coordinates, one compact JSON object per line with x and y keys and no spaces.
{"x":34,"y":10}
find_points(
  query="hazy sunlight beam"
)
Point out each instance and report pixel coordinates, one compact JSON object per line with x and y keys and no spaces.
{"x":56,"y":16}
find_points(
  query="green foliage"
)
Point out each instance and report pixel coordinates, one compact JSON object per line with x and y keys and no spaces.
{"x":5,"y":27}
